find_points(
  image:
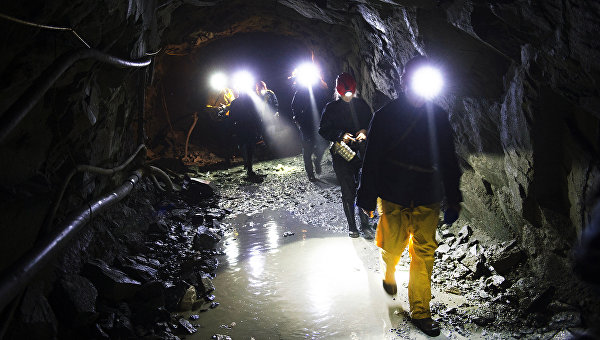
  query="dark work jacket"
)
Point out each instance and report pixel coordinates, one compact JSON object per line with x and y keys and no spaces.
{"x":305,"y":115}
{"x":270,"y":101}
{"x":421,"y":168}
{"x":340,"y":117}
{"x":246,"y":118}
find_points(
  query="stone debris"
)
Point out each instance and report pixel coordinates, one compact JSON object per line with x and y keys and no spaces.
{"x":491,"y":278}
{"x":110,"y":282}
{"x":187,"y":300}
{"x":205,"y":238}
{"x":206,"y":285}
{"x":165,"y":265}
{"x":443,"y":249}
{"x":74,"y":299}
{"x":567,"y":319}
{"x":189,"y":328}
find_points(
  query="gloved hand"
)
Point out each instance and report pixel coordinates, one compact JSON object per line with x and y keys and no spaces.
{"x":451,"y":214}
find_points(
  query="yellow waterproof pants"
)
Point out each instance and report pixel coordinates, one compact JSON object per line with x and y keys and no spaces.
{"x":415,"y":226}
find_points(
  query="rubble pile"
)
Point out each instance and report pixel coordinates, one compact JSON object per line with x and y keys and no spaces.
{"x":164,"y":262}
{"x":500,"y":295}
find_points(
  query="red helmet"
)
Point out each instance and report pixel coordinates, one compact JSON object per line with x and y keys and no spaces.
{"x":345,"y":83}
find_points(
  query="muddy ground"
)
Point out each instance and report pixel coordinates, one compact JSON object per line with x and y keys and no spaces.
{"x":480,"y":291}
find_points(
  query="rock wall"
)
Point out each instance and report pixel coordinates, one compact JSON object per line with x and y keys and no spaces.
{"x":522,"y":94}
{"x":89,"y":116}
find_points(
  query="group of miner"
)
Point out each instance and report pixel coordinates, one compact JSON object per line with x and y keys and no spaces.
{"x":400,"y":161}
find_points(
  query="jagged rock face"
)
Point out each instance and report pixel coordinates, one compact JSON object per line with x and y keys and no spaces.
{"x":522,"y":92}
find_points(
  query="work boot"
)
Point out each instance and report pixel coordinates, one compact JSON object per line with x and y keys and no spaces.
{"x":353,"y":233}
{"x":390,"y":288}
{"x":428,"y":326}
{"x":311,"y":177}
{"x":368,"y":233}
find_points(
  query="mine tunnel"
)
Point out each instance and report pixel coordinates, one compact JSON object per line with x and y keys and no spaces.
{"x":126,"y":211}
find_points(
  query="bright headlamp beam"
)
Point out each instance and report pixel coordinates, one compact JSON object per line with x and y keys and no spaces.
{"x":427,"y":82}
{"x":243,"y":81}
{"x":218,"y":81}
{"x":349,"y":94}
{"x":307,"y":74}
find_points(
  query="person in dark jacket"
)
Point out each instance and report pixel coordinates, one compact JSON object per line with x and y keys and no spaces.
{"x":346,"y":120}
{"x":247,"y":127}
{"x":269,"y":112}
{"x":270,"y":102}
{"x":306,"y":107}
{"x":410,"y":166}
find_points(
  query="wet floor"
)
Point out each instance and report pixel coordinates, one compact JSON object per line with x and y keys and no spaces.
{"x":290,"y":271}
{"x":282,"y":279}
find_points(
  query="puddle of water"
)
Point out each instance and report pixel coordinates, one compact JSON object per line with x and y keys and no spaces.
{"x":311,"y":284}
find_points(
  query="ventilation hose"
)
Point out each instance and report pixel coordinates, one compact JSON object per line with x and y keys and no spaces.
{"x":20,"y":273}
{"x":86,"y":168}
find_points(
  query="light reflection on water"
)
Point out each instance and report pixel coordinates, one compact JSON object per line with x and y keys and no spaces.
{"x":313,"y":284}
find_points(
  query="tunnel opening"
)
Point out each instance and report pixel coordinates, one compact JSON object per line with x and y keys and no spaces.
{"x":181,"y":88}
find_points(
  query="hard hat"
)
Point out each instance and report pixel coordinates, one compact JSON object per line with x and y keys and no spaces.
{"x":345,"y":83}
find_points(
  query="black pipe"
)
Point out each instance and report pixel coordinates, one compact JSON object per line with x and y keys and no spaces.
{"x":19,"y":109}
{"x":20,"y":273}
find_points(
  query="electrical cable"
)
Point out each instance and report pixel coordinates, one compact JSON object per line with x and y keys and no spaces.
{"x":164,"y":176}
{"x":21,"y":107}
{"x":187,"y":139}
{"x":54,"y":28}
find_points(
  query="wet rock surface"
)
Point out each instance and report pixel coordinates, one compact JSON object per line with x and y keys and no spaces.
{"x":151,"y":256}
{"x":501,"y":297}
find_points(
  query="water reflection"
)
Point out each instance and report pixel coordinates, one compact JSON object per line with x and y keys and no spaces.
{"x":231,"y":248}
{"x":273,"y":235}
{"x":257,"y":264}
{"x":313,"y":284}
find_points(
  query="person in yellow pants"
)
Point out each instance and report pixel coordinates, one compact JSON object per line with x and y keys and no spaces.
{"x":413,"y":226}
{"x":409,"y":168}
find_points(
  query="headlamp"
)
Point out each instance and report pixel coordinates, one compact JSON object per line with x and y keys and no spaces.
{"x":307,"y":74}
{"x":348,"y":94}
{"x":243,"y":81}
{"x":427,"y":82}
{"x":263,"y":91}
{"x":218,"y":81}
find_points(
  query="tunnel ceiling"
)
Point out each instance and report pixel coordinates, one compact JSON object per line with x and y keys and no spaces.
{"x":522,"y":93}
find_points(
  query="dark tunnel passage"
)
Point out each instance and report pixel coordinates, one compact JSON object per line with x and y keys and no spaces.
{"x":185,"y":84}
{"x":126,"y":211}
